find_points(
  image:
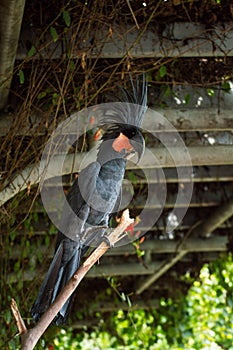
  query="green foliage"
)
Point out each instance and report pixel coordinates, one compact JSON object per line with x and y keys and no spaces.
{"x":54,"y":34}
{"x":226,"y":87}
{"x":187,"y":98}
{"x":21,"y":76}
{"x":32,"y":51}
{"x":209,"y":306}
{"x":52,"y":97}
{"x":201,"y":321}
{"x":210,"y":92}
{"x":66,"y":17}
{"x":162,"y":71}
{"x":19,"y":253}
{"x":208,"y":317}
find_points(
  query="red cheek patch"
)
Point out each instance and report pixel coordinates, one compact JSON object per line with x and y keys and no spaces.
{"x":122,"y":142}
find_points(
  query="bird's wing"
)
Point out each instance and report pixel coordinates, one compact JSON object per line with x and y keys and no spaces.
{"x":77,"y":206}
{"x":117,"y":206}
{"x":83,"y":187}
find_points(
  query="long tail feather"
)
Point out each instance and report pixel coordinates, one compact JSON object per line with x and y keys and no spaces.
{"x":59,"y":273}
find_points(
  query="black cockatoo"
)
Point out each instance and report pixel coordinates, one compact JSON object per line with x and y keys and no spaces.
{"x":94,"y":195}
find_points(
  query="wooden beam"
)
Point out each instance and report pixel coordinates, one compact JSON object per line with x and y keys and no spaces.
{"x":156,"y":120}
{"x":123,"y":270}
{"x":203,"y":196}
{"x":218,"y":217}
{"x":199,"y":156}
{"x":186,"y":120}
{"x":216,"y":243}
{"x":164,"y":268}
{"x":221,"y":214}
{"x":127,"y":269}
{"x":200,"y":174}
{"x":107,"y":306}
{"x":101,"y":271}
{"x":116,"y":269}
{"x":176,"y":40}
{"x":159,"y":228}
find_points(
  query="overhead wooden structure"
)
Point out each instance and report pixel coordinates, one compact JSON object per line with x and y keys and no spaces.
{"x":96,"y":60}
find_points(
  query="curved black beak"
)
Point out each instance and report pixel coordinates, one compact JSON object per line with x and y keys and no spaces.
{"x":138,"y":144}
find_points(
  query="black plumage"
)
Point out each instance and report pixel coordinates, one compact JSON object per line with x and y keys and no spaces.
{"x":94,"y":195}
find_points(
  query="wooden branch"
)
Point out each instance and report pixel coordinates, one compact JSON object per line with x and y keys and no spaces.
{"x":29,"y":338}
{"x":19,"y":321}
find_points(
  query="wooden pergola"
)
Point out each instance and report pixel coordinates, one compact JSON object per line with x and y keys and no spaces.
{"x":205,"y":124}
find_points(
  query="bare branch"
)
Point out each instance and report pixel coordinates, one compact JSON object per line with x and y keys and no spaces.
{"x":29,"y":338}
{"x":19,"y":321}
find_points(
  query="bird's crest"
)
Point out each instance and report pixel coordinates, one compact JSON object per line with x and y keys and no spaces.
{"x":130,"y":108}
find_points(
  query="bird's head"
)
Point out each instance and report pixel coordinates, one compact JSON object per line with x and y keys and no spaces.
{"x":127,"y":140}
{"x":122,"y":121}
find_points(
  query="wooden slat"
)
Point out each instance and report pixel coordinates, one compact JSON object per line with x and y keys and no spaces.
{"x":186,"y":120}
{"x":177,"y":40}
{"x":156,"y":120}
{"x":157,"y":157}
{"x":107,"y":269}
{"x":145,"y":284}
{"x":215,"y":243}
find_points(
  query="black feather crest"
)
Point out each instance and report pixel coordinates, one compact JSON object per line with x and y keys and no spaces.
{"x":131,"y":108}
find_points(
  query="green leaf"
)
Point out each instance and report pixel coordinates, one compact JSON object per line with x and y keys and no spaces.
{"x":210,"y":92}
{"x":47,"y":241}
{"x":13,"y":234}
{"x":54,"y":99}
{"x":167,"y":91}
{"x":226,"y":87}
{"x":187,"y":98}
{"x":162,"y":71}
{"x":132,"y":177}
{"x":66,"y":17}
{"x":21,"y":77}
{"x":54,"y":34}
{"x":32,"y":51}
{"x":41,"y":95}
{"x":8,"y":316}
{"x":72,"y":66}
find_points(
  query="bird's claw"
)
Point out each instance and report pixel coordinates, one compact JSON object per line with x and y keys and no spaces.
{"x":107,"y":241}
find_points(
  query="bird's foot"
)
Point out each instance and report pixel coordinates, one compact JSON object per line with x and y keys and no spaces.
{"x":89,"y":236}
{"x":105,"y":239}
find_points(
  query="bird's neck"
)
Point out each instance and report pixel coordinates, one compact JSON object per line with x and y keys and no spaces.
{"x":106,"y":153}
{"x":112,"y":163}
{"x":114,"y":167}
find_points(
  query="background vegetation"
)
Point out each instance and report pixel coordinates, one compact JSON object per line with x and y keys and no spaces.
{"x":203,"y":319}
